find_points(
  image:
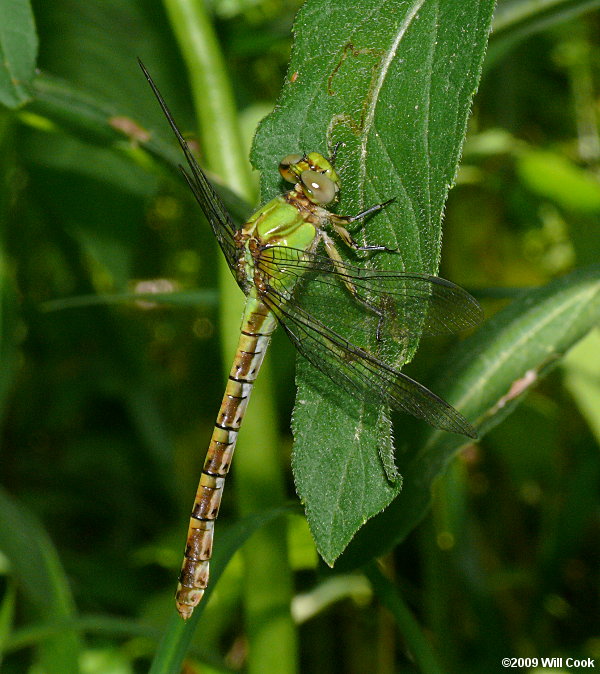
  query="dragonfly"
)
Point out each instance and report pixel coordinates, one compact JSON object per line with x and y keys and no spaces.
{"x":286,"y":244}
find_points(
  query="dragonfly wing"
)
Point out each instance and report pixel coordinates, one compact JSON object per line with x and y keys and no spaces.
{"x":357,"y":370}
{"x":210,"y":202}
{"x":410,"y":304}
{"x":214,"y":209}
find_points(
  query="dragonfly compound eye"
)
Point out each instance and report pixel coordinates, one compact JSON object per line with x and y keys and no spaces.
{"x":318,"y":187}
{"x":285,"y":167}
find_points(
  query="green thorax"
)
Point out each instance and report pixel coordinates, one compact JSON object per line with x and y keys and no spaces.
{"x":278,"y":223}
{"x":284,"y":221}
{"x":292,"y":220}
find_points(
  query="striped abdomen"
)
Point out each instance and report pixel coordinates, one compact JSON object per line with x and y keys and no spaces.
{"x":257,"y":327}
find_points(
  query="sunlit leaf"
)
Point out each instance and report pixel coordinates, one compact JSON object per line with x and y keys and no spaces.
{"x":394,"y":84}
{"x":554,"y":177}
{"x":18,"y":52}
{"x":582,"y":377}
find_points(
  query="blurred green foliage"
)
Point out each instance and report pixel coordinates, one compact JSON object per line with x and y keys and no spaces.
{"x":106,"y":408}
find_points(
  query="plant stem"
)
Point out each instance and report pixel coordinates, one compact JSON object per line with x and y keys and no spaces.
{"x":259,"y":481}
{"x":388,"y":595}
{"x":211,"y":90}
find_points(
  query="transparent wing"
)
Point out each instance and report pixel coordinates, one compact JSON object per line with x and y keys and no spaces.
{"x":357,"y":370}
{"x":403,"y":305}
{"x":210,"y":202}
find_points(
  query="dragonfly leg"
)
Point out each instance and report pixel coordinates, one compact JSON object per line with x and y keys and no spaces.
{"x":334,"y":152}
{"x":363,"y":214}
{"x":338,"y":222}
{"x":338,"y":263}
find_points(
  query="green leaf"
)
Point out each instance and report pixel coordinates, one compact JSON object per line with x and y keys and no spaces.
{"x":18,"y":52}
{"x":340,"y":483}
{"x":582,"y":378}
{"x":36,"y":566}
{"x":555,"y":178}
{"x":84,"y":114}
{"x":393,"y":82}
{"x":486,"y":377}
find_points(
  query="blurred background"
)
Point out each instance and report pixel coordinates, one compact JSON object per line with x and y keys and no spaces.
{"x":106,"y":408}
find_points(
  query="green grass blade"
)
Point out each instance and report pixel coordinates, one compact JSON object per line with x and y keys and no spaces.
{"x":388,"y":595}
{"x":101,"y":625}
{"x":7,"y":613}
{"x":185,"y":298}
{"x":35,"y":565}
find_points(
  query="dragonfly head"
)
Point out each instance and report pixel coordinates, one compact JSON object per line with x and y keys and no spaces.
{"x":314,"y":174}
